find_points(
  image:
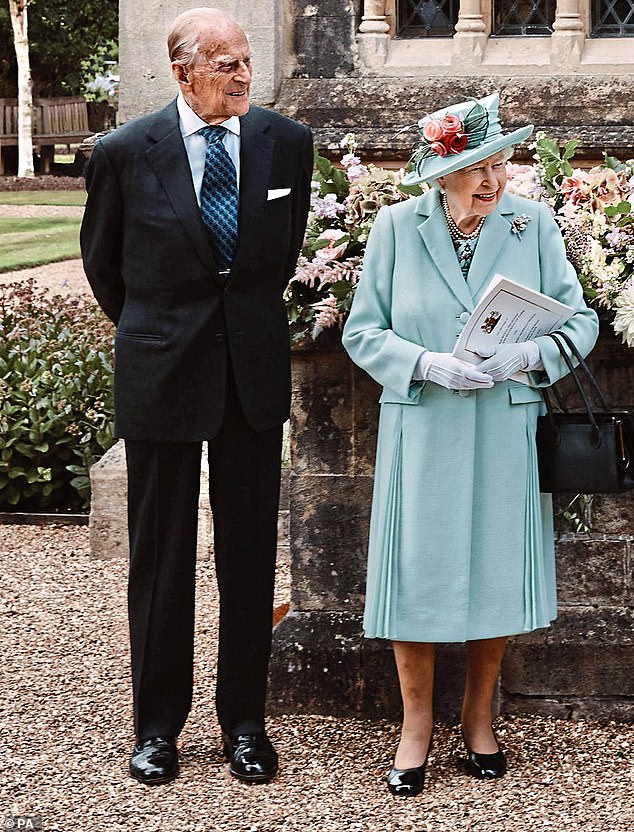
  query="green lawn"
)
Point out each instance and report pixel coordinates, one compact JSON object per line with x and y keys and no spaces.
{"x":32,"y":242}
{"x":42,"y":198}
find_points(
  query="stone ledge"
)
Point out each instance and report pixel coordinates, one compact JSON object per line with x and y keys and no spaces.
{"x":609,"y":709}
{"x":377,"y":108}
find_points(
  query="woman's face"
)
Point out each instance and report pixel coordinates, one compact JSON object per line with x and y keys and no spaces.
{"x":476,"y":190}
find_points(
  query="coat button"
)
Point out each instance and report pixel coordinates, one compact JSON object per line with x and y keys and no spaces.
{"x":464,"y":393}
{"x":464,"y":317}
{"x":220,"y":337}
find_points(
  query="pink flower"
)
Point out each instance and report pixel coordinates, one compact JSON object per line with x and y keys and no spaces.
{"x":432,"y":130}
{"x":326,"y":314}
{"x":350,"y":159}
{"x":355,"y":172}
{"x":451,"y":124}
{"x":575,"y":188}
{"x":438,"y":148}
{"x":456,"y":142}
{"x":516,"y":170}
{"x":331,"y":251}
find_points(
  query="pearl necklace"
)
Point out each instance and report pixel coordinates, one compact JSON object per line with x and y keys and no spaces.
{"x":454,"y":231}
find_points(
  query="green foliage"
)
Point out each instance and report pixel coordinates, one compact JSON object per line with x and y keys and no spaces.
{"x":101,"y":73}
{"x":553,"y":164}
{"x":62,"y":35}
{"x":578,"y":512}
{"x":56,"y":405}
{"x":332,"y":180}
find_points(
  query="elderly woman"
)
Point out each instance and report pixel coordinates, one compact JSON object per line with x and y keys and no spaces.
{"x":461,"y":542}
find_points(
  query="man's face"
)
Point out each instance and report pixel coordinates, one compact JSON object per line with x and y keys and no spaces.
{"x":219,"y":86}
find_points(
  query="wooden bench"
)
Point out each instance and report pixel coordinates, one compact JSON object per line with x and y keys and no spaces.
{"x":55,"y":121}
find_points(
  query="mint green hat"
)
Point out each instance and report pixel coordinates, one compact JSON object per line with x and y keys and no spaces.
{"x":459,"y":136}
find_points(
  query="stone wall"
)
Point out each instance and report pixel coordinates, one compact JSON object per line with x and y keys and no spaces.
{"x":325,"y":38}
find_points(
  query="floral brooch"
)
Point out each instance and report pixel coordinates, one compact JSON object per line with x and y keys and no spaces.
{"x":519,"y":224}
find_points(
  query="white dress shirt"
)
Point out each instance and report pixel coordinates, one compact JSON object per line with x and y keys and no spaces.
{"x":196,"y":145}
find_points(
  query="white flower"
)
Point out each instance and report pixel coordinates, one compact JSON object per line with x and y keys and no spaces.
{"x":624,"y":316}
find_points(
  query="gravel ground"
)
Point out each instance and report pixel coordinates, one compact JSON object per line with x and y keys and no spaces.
{"x":61,"y":278}
{"x":65,"y":721}
{"x":28,"y":211}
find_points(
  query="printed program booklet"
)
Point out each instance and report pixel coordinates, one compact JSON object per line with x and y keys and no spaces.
{"x":508,"y":313}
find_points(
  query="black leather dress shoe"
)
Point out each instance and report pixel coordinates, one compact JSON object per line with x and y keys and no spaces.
{"x":154,"y":761}
{"x":252,"y":757}
{"x":485,"y":766}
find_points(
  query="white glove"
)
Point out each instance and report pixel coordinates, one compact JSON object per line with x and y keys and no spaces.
{"x":442,"y":368}
{"x":508,"y":359}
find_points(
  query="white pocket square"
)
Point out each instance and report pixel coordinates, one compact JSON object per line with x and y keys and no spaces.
{"x":276,"y":193}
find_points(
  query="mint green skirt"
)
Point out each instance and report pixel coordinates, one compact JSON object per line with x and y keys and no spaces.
{"x":461,"y":540}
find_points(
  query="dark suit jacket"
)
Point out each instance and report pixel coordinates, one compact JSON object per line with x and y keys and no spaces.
{"x":151,"y":267}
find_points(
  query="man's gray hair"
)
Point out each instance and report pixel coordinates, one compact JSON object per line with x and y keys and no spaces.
{"x":184,"y":35}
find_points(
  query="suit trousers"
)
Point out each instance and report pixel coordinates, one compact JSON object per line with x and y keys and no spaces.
{"x":163,"y":491}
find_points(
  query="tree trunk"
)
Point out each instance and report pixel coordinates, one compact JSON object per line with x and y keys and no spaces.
{"x":17,"y":10}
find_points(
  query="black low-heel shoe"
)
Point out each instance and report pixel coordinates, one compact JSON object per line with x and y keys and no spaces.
{"x":408,"y":782}
{"x":485,"y":766}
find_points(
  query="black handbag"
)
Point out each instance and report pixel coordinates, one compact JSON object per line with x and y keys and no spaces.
{"x":588,"y":452}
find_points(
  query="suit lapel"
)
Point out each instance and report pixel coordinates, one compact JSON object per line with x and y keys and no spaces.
{"x":256,"y":151}
{"x":168,"y":158}
{"x":438,"y":243}
{"x":495,"y":235}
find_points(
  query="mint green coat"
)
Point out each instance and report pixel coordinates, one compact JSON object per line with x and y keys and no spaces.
{"x":461,"y":541}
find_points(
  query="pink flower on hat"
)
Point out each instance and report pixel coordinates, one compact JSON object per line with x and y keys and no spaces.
{"x":451,"y":123}
{"x":445,"y":135}
{"x":438,"y":148}
{"x":433,"y":130}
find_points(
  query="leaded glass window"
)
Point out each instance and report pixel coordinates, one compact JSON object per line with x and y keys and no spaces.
{"x":525,"y":17}
{"x":613,"y":18}
{"x":427,"y":18}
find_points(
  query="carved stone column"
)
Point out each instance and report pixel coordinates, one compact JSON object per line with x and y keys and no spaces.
{"x":374,"y":19}
{"x":569,"y":34}
{"x":374,"y":34}
{"x":471,"y":35}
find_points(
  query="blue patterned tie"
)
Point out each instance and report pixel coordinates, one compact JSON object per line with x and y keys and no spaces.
{"x":219,"y":196}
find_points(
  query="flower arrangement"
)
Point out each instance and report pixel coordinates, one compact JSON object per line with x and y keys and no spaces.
{"x":592,"y":207}
{"x":344,"y":204}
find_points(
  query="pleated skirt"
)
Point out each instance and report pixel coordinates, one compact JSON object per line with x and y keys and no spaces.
{"x":461,"y":540}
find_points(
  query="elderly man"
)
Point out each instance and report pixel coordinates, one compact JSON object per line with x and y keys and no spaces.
{"x":194,"y":220}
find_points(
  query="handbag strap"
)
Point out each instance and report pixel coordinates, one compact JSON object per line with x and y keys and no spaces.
{"x":582,"y":392}
{"x":582,"y":363}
